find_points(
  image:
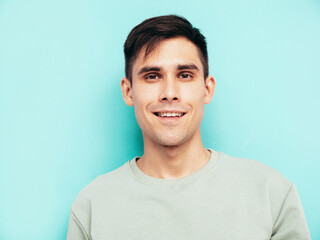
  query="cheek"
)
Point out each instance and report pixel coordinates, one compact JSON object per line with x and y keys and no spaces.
{"x":195,"y":94}
{"x":142,"y":98}
{"x":143,"y":95}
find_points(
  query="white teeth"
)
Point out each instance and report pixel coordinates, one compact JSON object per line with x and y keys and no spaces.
{"x":161,"y":114}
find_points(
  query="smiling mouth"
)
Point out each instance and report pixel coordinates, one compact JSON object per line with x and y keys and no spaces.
{"x":169,"y":114}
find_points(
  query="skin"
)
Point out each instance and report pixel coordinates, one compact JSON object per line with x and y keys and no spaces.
{"x":170,"y":79}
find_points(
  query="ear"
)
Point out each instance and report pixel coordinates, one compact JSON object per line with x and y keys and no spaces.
{"x":126,"y":91}
{"x":210,"y":85}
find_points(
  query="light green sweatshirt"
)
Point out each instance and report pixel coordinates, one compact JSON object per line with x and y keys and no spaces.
{"x":228,"y":199}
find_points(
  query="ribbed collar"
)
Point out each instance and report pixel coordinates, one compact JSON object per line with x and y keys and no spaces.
{"x":146,"y":179}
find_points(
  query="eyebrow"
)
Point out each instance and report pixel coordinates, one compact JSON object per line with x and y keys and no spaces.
{"x":158,"y":69}
{"x":149,"y":69}
{"x":187,"y":66}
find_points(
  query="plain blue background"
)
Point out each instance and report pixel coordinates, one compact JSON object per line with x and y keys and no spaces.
{"x":63,"y":121}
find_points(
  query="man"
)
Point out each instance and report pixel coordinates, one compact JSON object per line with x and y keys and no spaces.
{"x":178,"y":189}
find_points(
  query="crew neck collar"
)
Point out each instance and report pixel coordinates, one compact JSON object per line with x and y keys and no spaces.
{"x":146,"y":179}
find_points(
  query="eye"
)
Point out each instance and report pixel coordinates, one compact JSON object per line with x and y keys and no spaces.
{"x":185,"y":76}
{"x":152,"y":77}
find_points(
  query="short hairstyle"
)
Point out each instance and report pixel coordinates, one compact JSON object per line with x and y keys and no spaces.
{"x":152,"y":31}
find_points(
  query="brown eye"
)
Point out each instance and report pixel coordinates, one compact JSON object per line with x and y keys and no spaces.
{"x":151,"y":77}
{"x":185,"y":76}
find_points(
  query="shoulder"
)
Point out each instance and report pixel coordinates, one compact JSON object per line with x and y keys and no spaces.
{"x":255,"y":174}
{"x":255,"y":182}
{"x":100,"y":187}
{"x":250,"y":168}
{"x":95,"y":195}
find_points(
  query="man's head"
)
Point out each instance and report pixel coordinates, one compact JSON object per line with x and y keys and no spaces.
{"x":148,"y":34}
{"x":169,"y":82}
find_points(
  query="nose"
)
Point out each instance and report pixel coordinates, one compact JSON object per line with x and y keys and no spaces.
{"x":170,"y":90}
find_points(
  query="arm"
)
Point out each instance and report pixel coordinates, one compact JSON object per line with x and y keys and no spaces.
{"x":75,"y":229}
{"x":291,"y":223}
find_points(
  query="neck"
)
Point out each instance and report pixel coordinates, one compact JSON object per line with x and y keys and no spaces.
{"x":172,"y":162}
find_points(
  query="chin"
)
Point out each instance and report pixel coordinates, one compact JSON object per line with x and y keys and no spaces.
{"x":171,"y":141}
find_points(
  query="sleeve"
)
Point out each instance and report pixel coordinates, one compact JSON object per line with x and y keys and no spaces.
{"x":291,"y":222}
{"x":75,"y":229}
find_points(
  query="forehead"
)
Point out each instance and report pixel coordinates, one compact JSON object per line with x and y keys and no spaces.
{"x":169,"y":53}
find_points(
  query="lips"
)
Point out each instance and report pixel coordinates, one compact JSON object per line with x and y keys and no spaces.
{"x":169,"y":114}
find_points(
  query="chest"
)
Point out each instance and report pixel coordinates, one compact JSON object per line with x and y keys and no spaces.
{"x":181,"y":215}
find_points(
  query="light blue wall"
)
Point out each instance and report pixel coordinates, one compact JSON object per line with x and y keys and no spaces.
{"x":63,"y":120}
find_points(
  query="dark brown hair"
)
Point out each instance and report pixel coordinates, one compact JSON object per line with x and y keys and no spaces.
{"x":152,"y":31}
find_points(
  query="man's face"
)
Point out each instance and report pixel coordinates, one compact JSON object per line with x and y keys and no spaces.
{"x":168,"y":92}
